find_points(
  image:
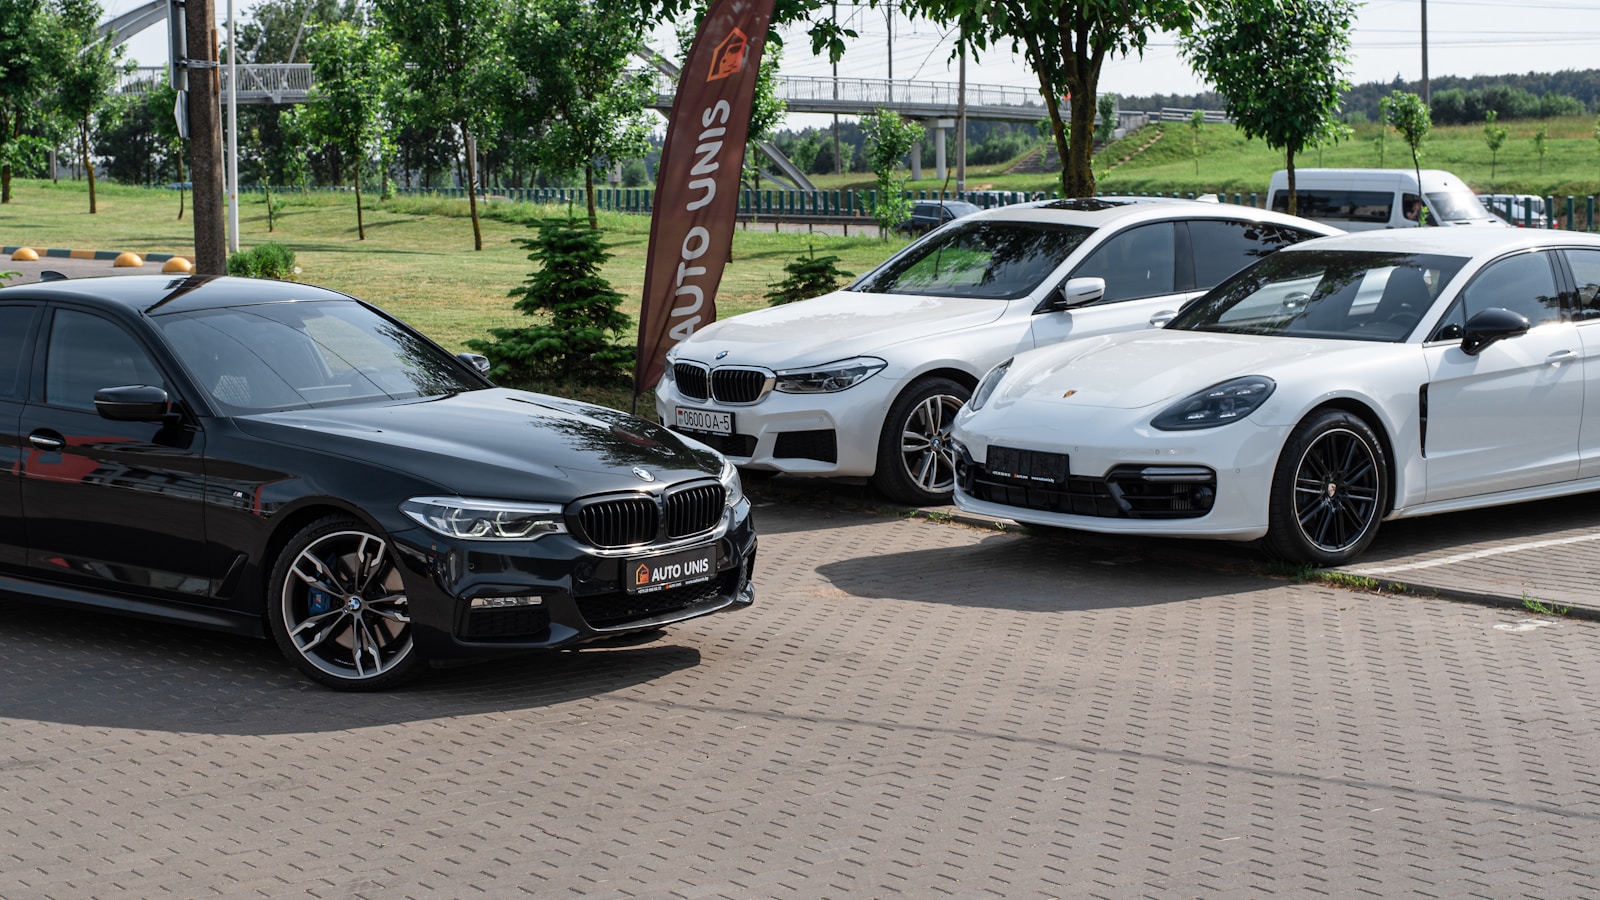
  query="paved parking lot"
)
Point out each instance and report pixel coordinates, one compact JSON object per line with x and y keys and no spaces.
{"x":912,"y":708}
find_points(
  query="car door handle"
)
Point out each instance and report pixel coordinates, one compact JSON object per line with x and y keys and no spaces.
{"x":1161,"y":319}
{"x":1560,"y":356}
{"x":46,"y":443}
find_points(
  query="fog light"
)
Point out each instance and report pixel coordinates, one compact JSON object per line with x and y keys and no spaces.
{"x":503,"y":602}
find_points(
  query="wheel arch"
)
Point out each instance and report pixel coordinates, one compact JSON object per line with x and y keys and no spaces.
{"x":288,"y":524}
{"x":1369,"y":415}
{"x":959,"y":376}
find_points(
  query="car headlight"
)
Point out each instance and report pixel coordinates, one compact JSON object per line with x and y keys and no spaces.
{"x":830,"y":378}
{"x":486,"y":520}
{"x":1219,"y":404}
{"x":987,"y":385}
{"x":732,"y":486}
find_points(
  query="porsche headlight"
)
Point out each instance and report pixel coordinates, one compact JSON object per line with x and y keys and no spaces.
{"x":1219,"y":404}
{"x":987,"y":385}
{"x":486,"y":520}
{"x":732,"y":487}
{"x":830,"y":378}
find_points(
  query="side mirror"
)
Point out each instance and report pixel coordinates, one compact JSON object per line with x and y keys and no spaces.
{"x":1491,"y":325}
{"x":477,"y":361}
{"x":1078,"y":292}
{"x":132,"y":403}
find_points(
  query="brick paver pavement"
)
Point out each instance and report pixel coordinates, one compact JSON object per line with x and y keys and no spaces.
{"x":912,"y":708}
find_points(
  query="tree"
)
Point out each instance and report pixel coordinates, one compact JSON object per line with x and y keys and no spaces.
{"x":1382,"y":140}
{"x":1066,"y":44}
{"x":809,"y":276}
{"x":1197,"y":119}
{"x":1541,"y":141}
{"x":27,"y":33}
{"x":576,"y":91}
{"x":353,"y":66}
{"x":889,"y":137}
{"x":1280,"y":64}
{"x":455,"y":55}
{"x":1495,"y":137}
{"x":577,"y":342}
{"x":86,"y":69}
{"x":1107,"y":105}
{"x":1409,"y":116}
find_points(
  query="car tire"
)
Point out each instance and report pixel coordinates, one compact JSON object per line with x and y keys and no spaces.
{"x":916,"y":463}
{"x":337,"y":607}
{"x":1329,"y":492}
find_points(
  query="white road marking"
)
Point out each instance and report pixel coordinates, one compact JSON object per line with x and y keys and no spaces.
{"x":1522,"y":625}
{"x":1476,"y":554}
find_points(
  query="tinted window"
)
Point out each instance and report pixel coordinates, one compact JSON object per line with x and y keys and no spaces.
{"x":1523,"y":284}
{"x":286,"y":355}
{"x":1350,"y":206}
{"x":1345,"y":294}
{"x":1223,"y":248}
{"x":985,"y":260}
{"x":14,"y":322}
{"x":1137,"y":263}
{"x":1585,"y":265}
{"x":88,"y":353}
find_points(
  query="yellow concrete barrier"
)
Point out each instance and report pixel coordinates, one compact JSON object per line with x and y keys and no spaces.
{"x":25,"y":254}
{"x":177,"y":264}
{"x":128,"y":258}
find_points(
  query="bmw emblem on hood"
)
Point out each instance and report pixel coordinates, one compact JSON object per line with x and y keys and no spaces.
{"x":643,"y":475}
{"x":722,"y":354}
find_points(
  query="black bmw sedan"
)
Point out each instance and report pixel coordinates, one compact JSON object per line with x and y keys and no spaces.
{"x":273,"y":458}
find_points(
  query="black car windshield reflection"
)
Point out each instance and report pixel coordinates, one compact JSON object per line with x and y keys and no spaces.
{"x":296,"y":355}
{"x":1359,"y":295}
{"x":983,"y":260}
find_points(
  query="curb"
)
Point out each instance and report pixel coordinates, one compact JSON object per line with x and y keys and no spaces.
{"x":89,"y":254}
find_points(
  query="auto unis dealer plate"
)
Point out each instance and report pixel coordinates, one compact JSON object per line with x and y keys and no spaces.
{"x":672,"y":570}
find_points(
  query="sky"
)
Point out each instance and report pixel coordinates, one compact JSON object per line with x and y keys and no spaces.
{"x":1465,"y":37}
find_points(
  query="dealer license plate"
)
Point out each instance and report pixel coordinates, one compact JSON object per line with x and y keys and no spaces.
{"x":1027,"y":466}
{"x":672,"y":570}
{"x":705,"y":421}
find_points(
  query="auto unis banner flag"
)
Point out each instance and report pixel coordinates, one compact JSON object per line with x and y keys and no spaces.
{"x":697,"y":181}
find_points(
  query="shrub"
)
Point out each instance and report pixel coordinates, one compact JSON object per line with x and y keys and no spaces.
{"x":269,"y":260}
{"x":809,"y":276}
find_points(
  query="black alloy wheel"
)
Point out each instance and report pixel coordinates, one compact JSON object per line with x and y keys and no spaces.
{"x":1329,"y":492}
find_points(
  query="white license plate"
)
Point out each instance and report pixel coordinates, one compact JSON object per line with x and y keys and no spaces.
{"x":671,"y":570}
{"x":705,"y":421}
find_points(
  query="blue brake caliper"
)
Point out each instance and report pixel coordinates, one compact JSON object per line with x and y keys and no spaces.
{"x":320,"y":601}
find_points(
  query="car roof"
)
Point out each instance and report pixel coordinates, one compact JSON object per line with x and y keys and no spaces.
{"x":1100,"y":212}
{"x":1468,"y":242}
{"x":157,"y":295}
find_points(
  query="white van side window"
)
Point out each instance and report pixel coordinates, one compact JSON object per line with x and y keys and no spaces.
{"x":1336,"y":205}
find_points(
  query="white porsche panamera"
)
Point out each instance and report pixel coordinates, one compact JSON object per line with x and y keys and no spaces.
{"x":1337,"y":383}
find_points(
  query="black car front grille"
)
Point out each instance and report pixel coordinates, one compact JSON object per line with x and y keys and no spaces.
{"x":738,"y":385}
{"x":1127,"y":492}
{"x":821,"y":445}
{"x":527,"y":623}
{"x":614,"y":610}
{"x":620,"y":522}
{"x":640,"y":518}
{"x":693,"y":510}
{"x":691,"y":380}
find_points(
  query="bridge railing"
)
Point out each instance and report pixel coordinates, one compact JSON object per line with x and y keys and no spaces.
{"x":271,"y":81}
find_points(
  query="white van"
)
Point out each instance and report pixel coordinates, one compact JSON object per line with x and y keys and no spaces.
{"x":1366,"y":199}
{"x":1521,"y":210}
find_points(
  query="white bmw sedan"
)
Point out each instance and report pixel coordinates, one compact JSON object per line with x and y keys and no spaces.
{"x":1338,"y":383}
{"x":866,"y":381}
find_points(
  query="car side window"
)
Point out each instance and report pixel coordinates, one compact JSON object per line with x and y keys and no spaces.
{"x":1585,"y":266}
{"x":14,"y":322}
{"x":87,"y":353}
{"x":1523,"y":284}
{"x":1136,"y":263}
{"x":1222,"y":248}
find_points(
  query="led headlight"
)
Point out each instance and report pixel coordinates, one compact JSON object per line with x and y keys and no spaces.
{"x":732,"y":486}
{"x":1219,"y":404}
{"x":485,"y":520}
{"x":987,"y":385}
{"x":830,"y":378}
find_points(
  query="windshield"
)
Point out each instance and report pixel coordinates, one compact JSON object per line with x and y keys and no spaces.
{"x":985,"y":260}
{"x":1456,"y":206}
{"x":295,"y":355}
{"x":1360,"y":295}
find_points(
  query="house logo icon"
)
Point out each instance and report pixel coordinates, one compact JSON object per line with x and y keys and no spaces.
{"x":642,"y":576}
{"x":729,"y":56}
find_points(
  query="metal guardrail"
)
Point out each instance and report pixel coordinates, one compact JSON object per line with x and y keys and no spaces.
{"x":283,"y":83}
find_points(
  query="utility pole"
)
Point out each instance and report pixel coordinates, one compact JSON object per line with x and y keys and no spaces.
{"x":205,"y":136}
{"x":1425,"y":100}
{"x":961,"y":120}
{"x":838,"y":164}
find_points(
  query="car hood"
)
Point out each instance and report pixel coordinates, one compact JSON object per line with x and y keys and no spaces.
{"x":497,"y":443}
{"x":834,"y":326}
{"x":1138,"y":369}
